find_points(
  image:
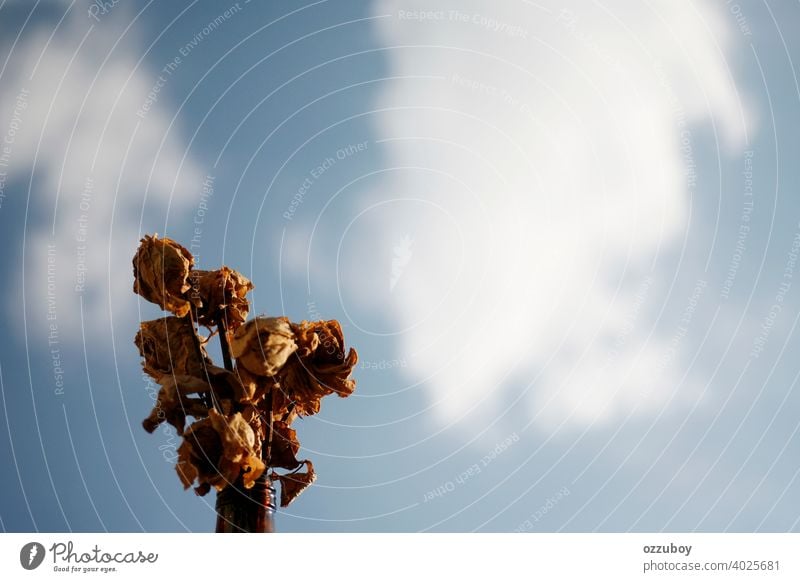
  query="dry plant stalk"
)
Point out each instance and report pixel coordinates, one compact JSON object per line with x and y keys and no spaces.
{"x":242,"y":413}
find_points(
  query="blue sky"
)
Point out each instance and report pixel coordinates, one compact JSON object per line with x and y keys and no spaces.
{"x":561,"y":237}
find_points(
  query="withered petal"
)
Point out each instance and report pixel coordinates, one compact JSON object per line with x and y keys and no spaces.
{"x":285,"y":446}
{"x":198,"y":456}
{"x":215,"y":451}
{"x":160,"y":272}
{"x":220,"y":296}
{"x":170,"y":346}
{"x":253,"y":387}
{"x":174,"y":403}
{"x":319,"y":367}
{"x":262,"y":345}
{"x":238,"y":448}
{"x":293,"y":484}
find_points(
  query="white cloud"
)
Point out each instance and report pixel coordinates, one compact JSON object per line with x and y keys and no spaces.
{"x":559,"y":154}
{"x":95,"y":161}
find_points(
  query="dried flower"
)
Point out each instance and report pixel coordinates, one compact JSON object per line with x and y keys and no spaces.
{"x":238,"y":448}
{"x":170,"y":346}
{"x":216,"y":451}
{"x":262,"y":345}
{"x":218,"y":386}
{"x":240,"y":413}
{"x":319,"y":366}
{"x":160,"y":272}
{"x":220,"y":297}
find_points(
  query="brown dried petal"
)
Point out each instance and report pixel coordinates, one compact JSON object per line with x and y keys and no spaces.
{"x":215,"y":451}
{"x":160,"y":272}
{"x":198,"y":456}
{"x":285,"y":446}
{"x":254,"y":387}
{"x":282,"y":406}
{"x":202,"y":489}
{"x":170,"y":346}
{"x":294,"y":484}
{"x":262,"y":345}
{"x":220,"y":296}
{"x":227,"y":385}
{"x":319,"y":367}
{"x":306,"y":337}
{"x":253,"y":417}
{"x":174,"y":403}
{"x":238,"y":448}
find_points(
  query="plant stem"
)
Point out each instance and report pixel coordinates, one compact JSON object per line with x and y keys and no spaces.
{"x":226,"y":350}
{"x":266,"y":450}
{"x":207,"y":399}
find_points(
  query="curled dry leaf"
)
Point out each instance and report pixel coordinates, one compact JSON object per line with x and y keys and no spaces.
{"x":285,"y":446}
{"x":160,"y":272}
{"x":319,"y":366}
{"x":174,"y":403}
{"x":220,"y":297}
{"x":216,"y":451}
{"x":198,"y":457}
{"x":262,"y":345}
{"x":169,"y":346}
{"x":294,"y":484}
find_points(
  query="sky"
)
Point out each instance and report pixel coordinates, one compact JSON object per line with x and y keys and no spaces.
{"x":563,"y":237}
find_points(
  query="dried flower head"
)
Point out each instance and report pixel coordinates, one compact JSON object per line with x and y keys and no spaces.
{"x":160,"y":273}
{"x":220,"y":297}
{"x":170,"y":346}
{"x":262,"y":345}
{"x":216,"y":451}
{"x":319,"y":366}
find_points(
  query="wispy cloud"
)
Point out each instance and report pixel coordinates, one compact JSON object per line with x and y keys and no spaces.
{"x":547,"y":159}
{"x":97,"y":165}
